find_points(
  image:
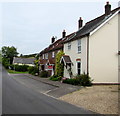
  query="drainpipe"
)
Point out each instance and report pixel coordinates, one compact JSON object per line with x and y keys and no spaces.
{"x":88,"y":54}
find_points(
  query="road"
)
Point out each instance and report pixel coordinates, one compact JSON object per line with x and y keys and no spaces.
{"x":19,"y":99}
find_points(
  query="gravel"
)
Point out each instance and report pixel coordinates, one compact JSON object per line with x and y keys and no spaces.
{"x":102,"y":99}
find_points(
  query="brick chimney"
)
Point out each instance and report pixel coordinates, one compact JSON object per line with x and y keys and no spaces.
{"x":80,"y":23}
{"x":52,"y":39}
{"x":63,"y":34}
{"x":107,"y":8}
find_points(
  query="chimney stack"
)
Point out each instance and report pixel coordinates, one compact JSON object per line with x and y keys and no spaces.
{"x":63,"y":34}
{"x":107,"y":8}
{"x":80,"y":23}
{"x":52,"y":39}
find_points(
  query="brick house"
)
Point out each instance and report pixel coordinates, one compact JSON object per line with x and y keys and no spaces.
{"x":47,"y":56}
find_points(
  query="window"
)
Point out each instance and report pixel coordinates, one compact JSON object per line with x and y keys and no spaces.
{"x":69,"y":46}
{"x":43,"y":56}
{"x":46,"y":56}
{"x":53,"y":54}
{"x":78,"y":68}
{"x":79,"y":46}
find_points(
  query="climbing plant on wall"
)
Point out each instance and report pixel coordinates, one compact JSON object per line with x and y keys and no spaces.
{"x":59,"y":67}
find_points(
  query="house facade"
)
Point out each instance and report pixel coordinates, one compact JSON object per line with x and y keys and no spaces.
{"x":47,"y":56}
{"x":94,"y":49}
{"x":24,"y":61}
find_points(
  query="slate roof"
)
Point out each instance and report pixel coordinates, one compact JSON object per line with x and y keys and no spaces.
{"x":58,"y":44}
{"x":91,"y":25}
{"x":43,"y":61}
{"x":24,"y":60}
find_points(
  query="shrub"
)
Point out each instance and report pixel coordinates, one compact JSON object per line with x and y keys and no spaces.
{"x":44,"y":74}
{"x":12,"y":67}
{"x":30,"y":69}
{"x":59,"y":67}
{"x":20,"y":68}
{"x":83,"y":80}
{"x":33,"y":70}
{"x":55,"y":78}
{"x":72,"y":81}
{"x":5,"y":62}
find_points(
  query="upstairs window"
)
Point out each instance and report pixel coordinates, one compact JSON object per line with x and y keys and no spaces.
{"x":43,"y":56}
{"x":69,"y":45}
{"x":46,"y":56}
{"x":79,"y":46}
{"x":53,"y":54}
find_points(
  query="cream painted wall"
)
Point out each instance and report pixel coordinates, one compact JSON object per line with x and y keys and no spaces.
{"x":24,"y":64}
{"x":119,"y":47}
{"x":73,"y":53}
{"x":103,"y":57}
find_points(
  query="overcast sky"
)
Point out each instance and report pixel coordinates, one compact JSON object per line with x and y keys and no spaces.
{"x":29,"y":26}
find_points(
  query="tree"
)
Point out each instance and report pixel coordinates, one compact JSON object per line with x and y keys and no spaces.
{"x":9,"y":53}
{"x":59,"y":67}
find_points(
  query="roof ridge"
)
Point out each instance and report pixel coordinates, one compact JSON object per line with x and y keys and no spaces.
{"x":114,"y":10}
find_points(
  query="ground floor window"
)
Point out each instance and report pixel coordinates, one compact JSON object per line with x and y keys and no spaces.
{"x":78,"y":68}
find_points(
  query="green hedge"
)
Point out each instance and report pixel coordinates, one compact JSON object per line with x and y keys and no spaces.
{"x":83,"y":80}
{"x":20,"y":68}
{"x":55,"y":78}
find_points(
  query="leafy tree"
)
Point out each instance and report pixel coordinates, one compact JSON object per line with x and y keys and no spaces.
{"x":9,"y":53}
{"x":59,"y":67}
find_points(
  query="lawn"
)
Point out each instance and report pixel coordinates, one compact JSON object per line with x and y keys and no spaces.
{"x":15,"y":72}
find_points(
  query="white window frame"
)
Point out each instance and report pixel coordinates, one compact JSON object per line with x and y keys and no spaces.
{"x":77,"y":67}
{"x":46,"y":56}
{"x":43,"y":56}
{"x":69,"y":45}
{"x":53,"y":54}
{"x":79,"y":46}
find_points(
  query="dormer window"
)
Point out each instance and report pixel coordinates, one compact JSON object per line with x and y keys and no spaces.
{"x":79,"y":46}
{"x":69,"y":45}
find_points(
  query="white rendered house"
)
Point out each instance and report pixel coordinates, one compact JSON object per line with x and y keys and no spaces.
{"x":94,"y":48}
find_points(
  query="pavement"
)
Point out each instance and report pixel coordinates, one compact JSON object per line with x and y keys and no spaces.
{"x":21,"y":96}
{"x":55,"y":89}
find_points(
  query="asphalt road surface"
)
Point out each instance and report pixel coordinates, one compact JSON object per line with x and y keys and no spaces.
{"x":19,"y":99}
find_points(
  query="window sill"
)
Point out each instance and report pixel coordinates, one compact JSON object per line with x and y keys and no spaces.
{"x":79,"y":52}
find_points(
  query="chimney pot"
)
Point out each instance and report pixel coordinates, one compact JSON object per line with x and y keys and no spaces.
{"x":107,"y":8}
{"x":53,"y":39}
{"x":80,"y":23}
{"x":63,"y":34}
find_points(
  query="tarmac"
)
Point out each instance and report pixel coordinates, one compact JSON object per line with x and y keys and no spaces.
{"x":61,"y":88}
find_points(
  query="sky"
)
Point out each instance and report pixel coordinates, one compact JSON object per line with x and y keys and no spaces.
{"x":29,"y":26}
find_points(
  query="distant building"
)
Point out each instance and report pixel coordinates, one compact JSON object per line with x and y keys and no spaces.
{"x":24,"y":61}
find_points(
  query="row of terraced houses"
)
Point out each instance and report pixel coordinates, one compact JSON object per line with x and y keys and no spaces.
{"x":93,"y":49}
